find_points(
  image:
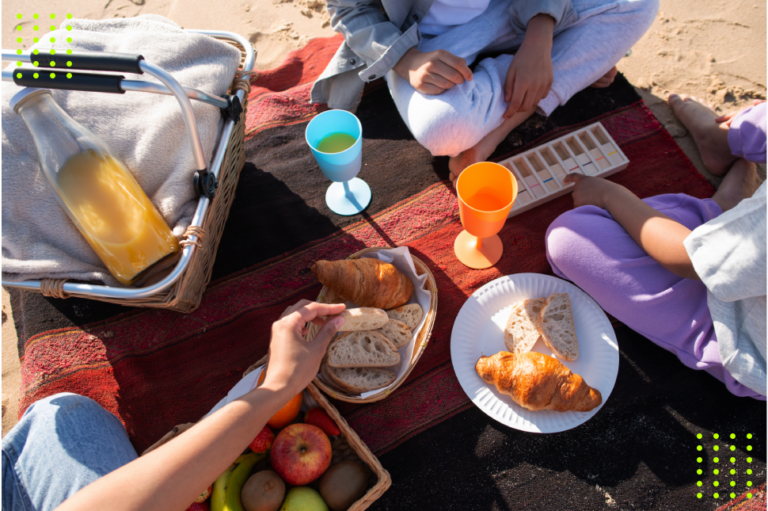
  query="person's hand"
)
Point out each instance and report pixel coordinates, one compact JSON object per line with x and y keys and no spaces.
{"x":433,"y":72}
{"x":530,"y":74}
{"x":590,"y":191}
{"x":293,"y":362}
{"x":728,"y":118}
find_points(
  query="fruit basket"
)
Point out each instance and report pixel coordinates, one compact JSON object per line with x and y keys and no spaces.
{"x":411,"y":352}
{"x":346,"y":447}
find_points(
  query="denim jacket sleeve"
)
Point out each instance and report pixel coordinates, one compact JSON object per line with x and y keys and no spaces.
{"x":371,"y":35}
{"x":521,"y":11}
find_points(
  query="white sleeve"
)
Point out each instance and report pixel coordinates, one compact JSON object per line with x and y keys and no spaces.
{"x":729,"y":252}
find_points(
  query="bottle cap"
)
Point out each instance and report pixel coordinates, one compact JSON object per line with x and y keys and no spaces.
{"x":24,"y":94}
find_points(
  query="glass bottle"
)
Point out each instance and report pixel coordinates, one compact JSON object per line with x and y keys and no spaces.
{"x":98,"y":193}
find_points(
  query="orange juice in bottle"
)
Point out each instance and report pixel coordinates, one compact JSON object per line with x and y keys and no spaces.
{"x":101,"y":197}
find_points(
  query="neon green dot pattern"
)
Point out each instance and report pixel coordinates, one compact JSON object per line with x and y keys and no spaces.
{"x":36,"y":39}
{"x":733,"y":472}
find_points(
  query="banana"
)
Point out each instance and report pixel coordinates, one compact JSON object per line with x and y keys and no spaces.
{"x":218,"y":495}
{"x":237,"y":480}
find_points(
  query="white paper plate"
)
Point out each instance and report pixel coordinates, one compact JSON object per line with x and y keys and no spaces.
{"x":479,"y":330}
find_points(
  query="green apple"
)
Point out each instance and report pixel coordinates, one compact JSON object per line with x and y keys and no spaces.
{"x":303,"y":498}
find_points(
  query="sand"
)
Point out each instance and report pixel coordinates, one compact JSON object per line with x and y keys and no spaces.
{"x":712,"y":49}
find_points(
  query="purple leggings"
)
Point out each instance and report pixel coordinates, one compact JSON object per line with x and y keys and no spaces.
{"x":587,"y":246}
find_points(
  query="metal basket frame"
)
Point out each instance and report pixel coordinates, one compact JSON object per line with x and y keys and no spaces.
{"x":168,"y":85}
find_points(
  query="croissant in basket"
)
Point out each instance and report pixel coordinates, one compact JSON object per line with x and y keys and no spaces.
{"x":365,"y":282}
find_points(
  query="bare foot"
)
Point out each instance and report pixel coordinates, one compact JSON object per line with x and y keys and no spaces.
{"x":741,"y":182}
{"x":710,"y":137}
{"x":486,"y":146}
{"x":606,"y":79}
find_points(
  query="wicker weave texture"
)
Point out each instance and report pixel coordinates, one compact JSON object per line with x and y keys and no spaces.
{"x":421,"y":341}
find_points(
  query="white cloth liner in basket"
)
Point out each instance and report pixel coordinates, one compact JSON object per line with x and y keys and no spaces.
{"x":145,"y":131}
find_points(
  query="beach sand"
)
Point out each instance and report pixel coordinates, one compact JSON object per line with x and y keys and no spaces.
{"x":712,"y":49}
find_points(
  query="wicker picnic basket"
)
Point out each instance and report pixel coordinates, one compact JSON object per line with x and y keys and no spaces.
{"x":421,"y":340}
{"x":348,"y":446}
{"x":185,"y":293}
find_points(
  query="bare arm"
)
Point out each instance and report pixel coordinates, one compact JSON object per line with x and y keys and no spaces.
{"x":660,"y":236}
{"x":172,"y":476}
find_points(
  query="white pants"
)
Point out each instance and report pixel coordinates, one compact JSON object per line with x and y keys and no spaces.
{"x":583,"y":50}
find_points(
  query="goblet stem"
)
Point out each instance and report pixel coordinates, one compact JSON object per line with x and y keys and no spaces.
{"x":347,"y":192}
{"x":479,"y":244}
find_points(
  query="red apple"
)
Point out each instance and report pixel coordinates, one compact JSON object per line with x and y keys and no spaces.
{"x":301,"y":453}
{"x":199,"y":506}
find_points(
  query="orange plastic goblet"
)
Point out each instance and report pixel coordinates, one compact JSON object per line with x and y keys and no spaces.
{"x":486,"y":193}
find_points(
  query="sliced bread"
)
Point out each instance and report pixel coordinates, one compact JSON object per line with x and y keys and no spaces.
{"x":362,"y":349}
{"x":363,"y":318}
{"x":410,"y":314}
{"x":522,"y":330}
{"x":397,"y":332}
{"x":556,"y":326}
{"x":360,"y":379}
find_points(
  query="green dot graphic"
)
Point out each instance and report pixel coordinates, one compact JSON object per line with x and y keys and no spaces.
{"x":733,"y":436}
{"x":698,"y":460}
{"x":698,"y":447}
{"x":19,"y":28}
{"x":35,"y":75}
{"x":69,"y":27}
{"x":733,"y":495}
{"x":53,"y":16}
{"x":749,"y":460}
{"x":36,"y":51}
{"x":69,"y":63}
{"x":716,"y":495}
{"x":18,"y":39}
{"x":36,"y":63}
{"x":715,"y":472}
{"x":69,"y":16}
{"x":733,"y":460}
{"x":69,"y":52}
{"x":749,"y":495}
{"x":733,"y":447}
{"x":733,"y":471}
{"x":749,"y":471}
{"x":18,"y":63}
{"x":18,"y":75}
{"x":53,"y":28}
{"x":53,"y":52}
{"x":18,"y":16}
{"x":69,"y":39}
{"x":698,"y":495}
{"x":35,"y":28}
{"x":715,"y":484}
{"x":749,"y":447}
{"x":53,"y":63}
{"x":69,"y":75}
{"x":18,"y":52}
{"x":749,"y":436}
{"x":699,"y":483}
{"x":716,"y":448}
{"x":716,"y":459}
{"x":716,"y":436}
{"x":35,"y":15}
{"x":53,"y":75}
{"x":53,"y":39}
{"x":749,"y":483}
{"x":35,"y":39}
{"x":699,"y":436}
{"x":699,"y":471}
{"x":733,"y":483}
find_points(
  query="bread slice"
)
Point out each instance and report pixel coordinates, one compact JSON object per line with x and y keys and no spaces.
{"x":397,"y":332}
{"x":363,"y":318}
{"x":362,"y":349}
{"x":360,"y":379}
{"x":556,"y":326}
{"x":410,"y":314}
{"x":522,"y":329}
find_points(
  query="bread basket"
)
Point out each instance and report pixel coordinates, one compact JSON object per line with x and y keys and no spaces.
{"x":421,"y":340}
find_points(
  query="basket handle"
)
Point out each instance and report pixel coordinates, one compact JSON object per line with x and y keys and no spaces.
{"x":112,"y":62}
{"x":88,"y":82}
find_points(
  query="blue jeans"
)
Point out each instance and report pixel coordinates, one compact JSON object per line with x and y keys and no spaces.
{"x":61,"y":444}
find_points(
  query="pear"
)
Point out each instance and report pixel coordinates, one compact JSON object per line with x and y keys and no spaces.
{"x":303,"y":498}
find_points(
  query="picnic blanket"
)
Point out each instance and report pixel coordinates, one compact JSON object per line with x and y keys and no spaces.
{"x":156,"y":369}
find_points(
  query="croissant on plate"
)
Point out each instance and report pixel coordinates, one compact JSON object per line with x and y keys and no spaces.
{"x":538,"y":382}
{"x":365,"y":282}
